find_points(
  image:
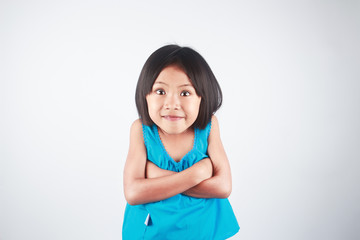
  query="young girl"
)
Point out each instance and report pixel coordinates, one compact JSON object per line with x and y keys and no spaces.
{"x":177,"y":177}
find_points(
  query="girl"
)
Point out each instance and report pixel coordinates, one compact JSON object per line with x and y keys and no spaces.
{"x":177,"y":177}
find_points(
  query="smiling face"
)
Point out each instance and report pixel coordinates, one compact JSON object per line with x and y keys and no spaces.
{"x":173,"y":104}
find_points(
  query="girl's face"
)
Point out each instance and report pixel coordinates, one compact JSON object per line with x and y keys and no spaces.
{"x":173,"y":104}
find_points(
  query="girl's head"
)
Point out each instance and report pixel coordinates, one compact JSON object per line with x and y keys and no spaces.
{"x":178,"y":63}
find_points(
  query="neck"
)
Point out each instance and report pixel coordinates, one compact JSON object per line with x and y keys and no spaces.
{"x":175,"y":136}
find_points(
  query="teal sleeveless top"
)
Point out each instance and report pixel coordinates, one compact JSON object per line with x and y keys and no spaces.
{"x":181,"y":216}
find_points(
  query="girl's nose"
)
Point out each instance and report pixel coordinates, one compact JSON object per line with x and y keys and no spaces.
{"x":172,"y":102}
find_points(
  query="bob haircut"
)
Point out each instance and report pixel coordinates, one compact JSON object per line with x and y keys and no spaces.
{"x":194,"y":66}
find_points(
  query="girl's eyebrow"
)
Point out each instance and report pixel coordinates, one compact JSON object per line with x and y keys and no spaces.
{"x":186,"y":85}
{"x":158,"y":82}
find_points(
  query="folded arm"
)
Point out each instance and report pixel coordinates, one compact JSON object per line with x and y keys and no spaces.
{"x":139,"y":190}
{"x":219,"y":185}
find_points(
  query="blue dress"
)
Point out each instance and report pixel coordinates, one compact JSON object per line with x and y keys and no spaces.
{"x":181,"y":216}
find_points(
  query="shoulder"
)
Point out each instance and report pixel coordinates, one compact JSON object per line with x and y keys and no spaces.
{"x":214,"y":120}
{"x":215,"y":130}
{"x":136,"y":129}
{"x":214,"y":124}
{"x":136,"y":124}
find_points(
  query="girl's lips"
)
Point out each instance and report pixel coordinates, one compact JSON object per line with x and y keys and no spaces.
{"x":172,"y":118}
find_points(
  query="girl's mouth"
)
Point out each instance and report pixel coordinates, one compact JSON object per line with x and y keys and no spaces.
{"x":172,"y":118}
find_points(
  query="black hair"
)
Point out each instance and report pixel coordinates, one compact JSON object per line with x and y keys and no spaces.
{"x":195,"y":67}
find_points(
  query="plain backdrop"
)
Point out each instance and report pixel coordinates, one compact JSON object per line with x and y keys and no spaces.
{"x":289,"y":71}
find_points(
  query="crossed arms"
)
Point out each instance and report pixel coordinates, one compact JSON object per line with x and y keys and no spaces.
{"x":144,"y":182}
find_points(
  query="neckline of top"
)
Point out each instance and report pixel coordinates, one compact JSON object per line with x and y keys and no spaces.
{"x":166,"y":152}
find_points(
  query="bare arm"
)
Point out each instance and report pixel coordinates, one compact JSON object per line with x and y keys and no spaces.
{"x":153,"y":171}
{"x":219,"y":185}
{"x":140,"y":190}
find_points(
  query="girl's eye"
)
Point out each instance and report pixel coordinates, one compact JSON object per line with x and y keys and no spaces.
{"x":160,"y":92}
{"x":185,"y":94}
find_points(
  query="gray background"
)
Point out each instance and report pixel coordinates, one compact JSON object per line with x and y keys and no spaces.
{"x":289,"y":71}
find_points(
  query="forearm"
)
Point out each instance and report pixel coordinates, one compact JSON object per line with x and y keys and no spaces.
{"x":214,"y":187}
{"x":151,"y":190}
{"x":145,"y":190}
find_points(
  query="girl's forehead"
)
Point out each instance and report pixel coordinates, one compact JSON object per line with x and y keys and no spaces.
{"x":173,"y":75}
